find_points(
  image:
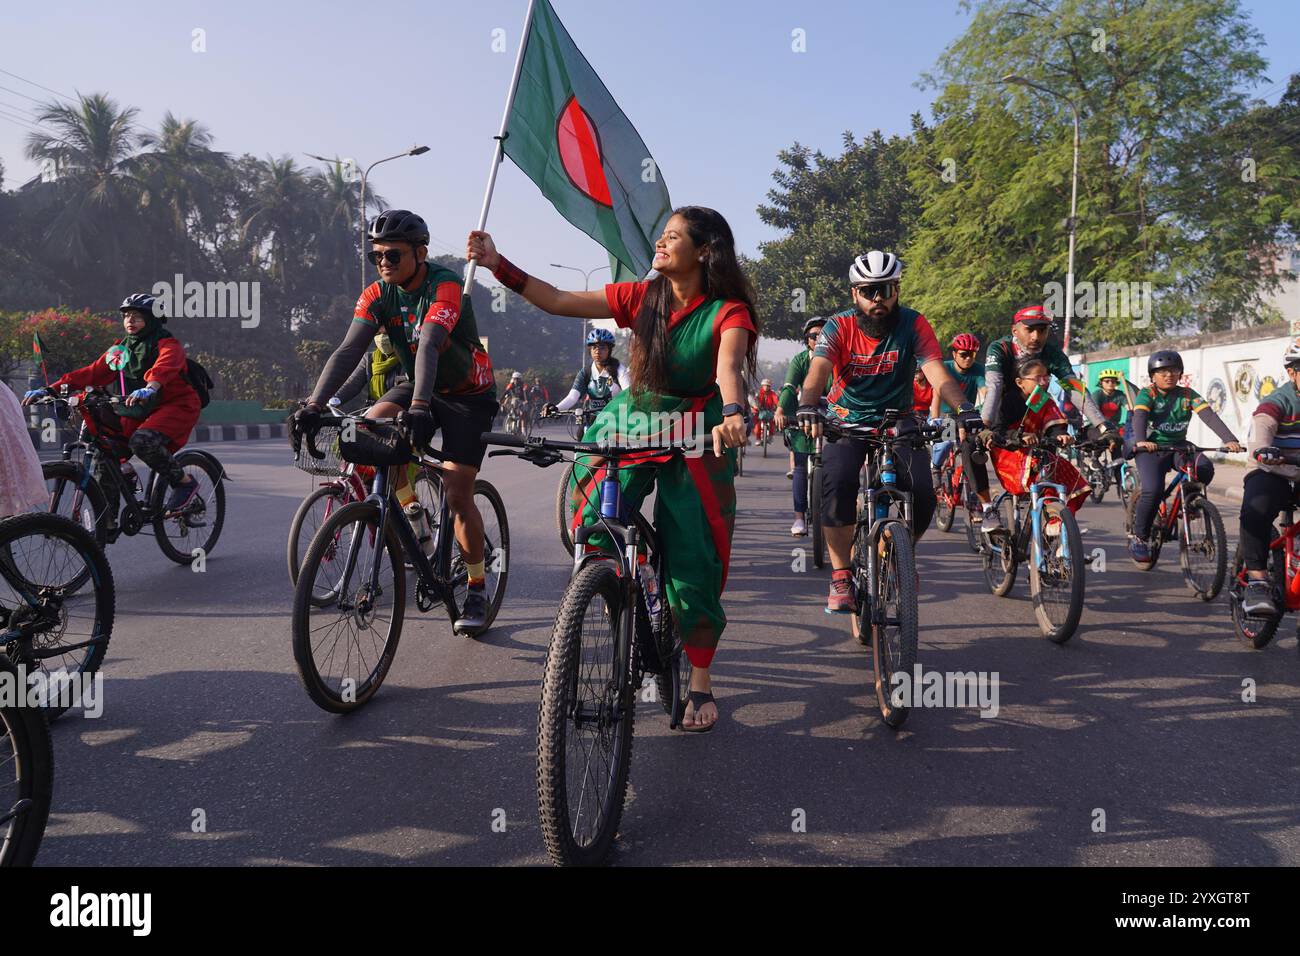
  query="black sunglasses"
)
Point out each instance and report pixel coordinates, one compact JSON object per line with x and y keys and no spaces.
{"x":876,"y":290}
{"x":391,"y":256}
{"x":964,"y":353}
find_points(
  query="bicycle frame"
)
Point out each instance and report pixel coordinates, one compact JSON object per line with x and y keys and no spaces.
{"x":137,"y":511}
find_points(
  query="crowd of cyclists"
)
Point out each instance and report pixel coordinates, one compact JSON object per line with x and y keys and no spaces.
{"x":875,"y":368}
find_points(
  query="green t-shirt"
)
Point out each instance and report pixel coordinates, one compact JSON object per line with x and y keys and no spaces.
{"x":970,"y":382}
{"x":1002,"y":358}
{"x":1169,"y":413}
{"x":1111,"y":406}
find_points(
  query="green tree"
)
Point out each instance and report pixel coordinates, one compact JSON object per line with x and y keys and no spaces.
{"x":833,"y":209}
{"x":69,"y":340}
{"x":179,"y":177}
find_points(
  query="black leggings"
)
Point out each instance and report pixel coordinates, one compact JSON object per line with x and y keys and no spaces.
{"x":151,"y":448}
{"x":841,"y":462}
{"x":1152,"y":466}
{"x":1263,"y":496}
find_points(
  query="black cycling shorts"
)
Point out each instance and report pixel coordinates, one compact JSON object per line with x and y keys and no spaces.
{"x":461,"y":419}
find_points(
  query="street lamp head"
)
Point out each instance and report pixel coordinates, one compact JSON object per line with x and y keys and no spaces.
{"x":418,"y":150}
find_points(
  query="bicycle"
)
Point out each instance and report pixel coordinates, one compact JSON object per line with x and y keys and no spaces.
{"x":606,"y":641}
{"x":344,"y":575}
{"x":518,"y":419}
{"x":1095,"y":470}
{"x":813,"y":515}
{"x":954,"y":491}
{"x":580,"y":420}
{"x":1041,"y":531}
{"x":1284,"y":573}
{"x":884,"y":558}
{"x":26,"y":773}
{"x":1186,"y":513}
{"x":75,"y":490}
{"x":766,"y":428}
{"x":51,"y":624}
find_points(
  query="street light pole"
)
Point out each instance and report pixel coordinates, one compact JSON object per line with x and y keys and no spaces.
{"x":586,"y":287}
{"x":1074,"y":196}
{"x":413,"y":151}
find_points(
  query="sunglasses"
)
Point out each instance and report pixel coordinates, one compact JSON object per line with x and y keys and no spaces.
{"x":876,"y":290}
{"x":391,"y":256}
{"x":964,"y":353}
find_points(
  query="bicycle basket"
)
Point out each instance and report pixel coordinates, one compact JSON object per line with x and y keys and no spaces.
{"x":375,"y":445}
{"x":327,"y":443}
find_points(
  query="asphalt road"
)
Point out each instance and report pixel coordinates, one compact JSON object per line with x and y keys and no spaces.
{"x":1139,"y":718}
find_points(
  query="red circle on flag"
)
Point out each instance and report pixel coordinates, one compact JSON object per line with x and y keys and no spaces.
{"x":580,"y":155}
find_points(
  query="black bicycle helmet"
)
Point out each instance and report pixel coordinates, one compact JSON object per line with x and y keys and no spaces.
{"x":139,"y":302}
{"x":815,"y":320}
{"x":399,"y":225}
{"x":1165,"y":358}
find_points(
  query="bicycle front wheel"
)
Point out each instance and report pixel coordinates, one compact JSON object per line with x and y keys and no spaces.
{"x":564,"y":509}
{"x":50,"y":620}
{"x":1056,"y":568}
{"x":1203,"y":549}
{"x":27,"y":779}
{"x":892,"y":619}
{"x":584,"y":725}
{"x":815,"y":516}
{"x":345,"y":631}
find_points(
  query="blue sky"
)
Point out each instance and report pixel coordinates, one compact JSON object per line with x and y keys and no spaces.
{"x":713,"y":87}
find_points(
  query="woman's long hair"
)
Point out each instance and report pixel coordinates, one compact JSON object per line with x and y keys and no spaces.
{"x":723,"y":279}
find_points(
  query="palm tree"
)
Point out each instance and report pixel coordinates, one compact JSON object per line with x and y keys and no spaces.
{"x":282,"y":209}
{"x":92,"y":146}
{"x":340,"y":198}
{"x":180,"y":176}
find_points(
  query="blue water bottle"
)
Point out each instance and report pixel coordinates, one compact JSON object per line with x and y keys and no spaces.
{"x":611,"y":499}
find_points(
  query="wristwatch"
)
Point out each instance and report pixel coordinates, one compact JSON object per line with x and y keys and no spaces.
{"x":734,"y":408}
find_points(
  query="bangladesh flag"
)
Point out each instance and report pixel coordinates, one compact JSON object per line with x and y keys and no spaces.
{"x":566,"y":132}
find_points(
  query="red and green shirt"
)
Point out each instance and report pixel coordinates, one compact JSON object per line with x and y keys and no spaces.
{"x":1169,"y":413}
{"x":872,"y":375}
{"x":463,"y":364}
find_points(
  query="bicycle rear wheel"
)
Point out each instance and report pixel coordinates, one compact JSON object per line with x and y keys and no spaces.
{"x":894,"y":624}
{"x":345,"y":634}
{"x":1203,"y":549}
{"x":198,"y":527}
{"x":584,"y":724}
{"x":26,"y":781}
{"x":50,"y":621}
{"x":1056,"y":570}
{"x":564,"y":509}
{"x":496,"y":553}
{"x":1255,"y":631}
{"x":815,"y":515}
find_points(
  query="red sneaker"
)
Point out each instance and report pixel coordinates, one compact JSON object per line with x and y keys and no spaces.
{"x":841,"y":599}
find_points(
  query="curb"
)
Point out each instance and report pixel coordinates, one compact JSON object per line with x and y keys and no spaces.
{"x":210,"y":433}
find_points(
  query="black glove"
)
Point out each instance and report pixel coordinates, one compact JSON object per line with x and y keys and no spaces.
{"x":419,"y":426}
{"x":549,"y":410}
{"x":808,"y":415}
{"x":303,"y":420}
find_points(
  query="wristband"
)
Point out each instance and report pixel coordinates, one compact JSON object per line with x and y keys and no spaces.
{"x":734,"y":408}
{"x":510,"y":275}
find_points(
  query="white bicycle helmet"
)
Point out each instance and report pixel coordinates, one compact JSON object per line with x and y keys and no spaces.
{"x":875,"y":266}
{"x":1292,"y":354}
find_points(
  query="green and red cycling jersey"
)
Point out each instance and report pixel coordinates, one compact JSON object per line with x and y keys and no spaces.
{"x":870,"y":375}
{"x":1169,"y":413}
{"x":1283,"y":405}
{"x":463,"y":364}
{"x":1001,"y":360}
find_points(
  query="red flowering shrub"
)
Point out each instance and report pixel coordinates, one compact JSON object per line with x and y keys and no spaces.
{"x":70,"y":339}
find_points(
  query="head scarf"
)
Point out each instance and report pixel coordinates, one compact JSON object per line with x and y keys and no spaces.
{"x":142,"y":350}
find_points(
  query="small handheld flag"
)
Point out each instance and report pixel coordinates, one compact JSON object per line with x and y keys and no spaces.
{"x":1037,"y":398}
{"x":38,"y":351}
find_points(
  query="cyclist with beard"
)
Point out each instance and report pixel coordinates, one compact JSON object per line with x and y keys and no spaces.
{"x":1004,"y":403}
{"x":869,"y":353}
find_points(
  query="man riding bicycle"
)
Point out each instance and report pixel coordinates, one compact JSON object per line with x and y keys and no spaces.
{"x":162,"y":407}
{"x":431,"y":323}
{"x":1003,"y":402}
{"x":969,"y":376}
{"x":800,"y":445}
{"x":1270,"y":486}
{"x":597,"y":383}
{"x":1161,"y":414}
{"x":868,"y":353}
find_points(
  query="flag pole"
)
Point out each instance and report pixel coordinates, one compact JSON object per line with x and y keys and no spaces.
{"x":499,"y":151}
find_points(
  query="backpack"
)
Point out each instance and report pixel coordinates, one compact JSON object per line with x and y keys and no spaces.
{"x":200,"y":381}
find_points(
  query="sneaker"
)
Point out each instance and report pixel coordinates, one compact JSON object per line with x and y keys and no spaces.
{"x":799,"y":528}
{"x":841,"y":599}
{"x":1140,"y":551}
{"x":1257,"y":601}
{"x":183,"y":495}
{"x":473,"y":616}
{"x":991,"y":521}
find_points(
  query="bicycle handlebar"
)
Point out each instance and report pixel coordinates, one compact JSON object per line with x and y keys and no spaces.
{"x":546,"y":451}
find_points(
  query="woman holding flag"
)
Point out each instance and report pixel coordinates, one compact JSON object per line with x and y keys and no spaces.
{"x":694,"y":336}
{"x":148,"y":367}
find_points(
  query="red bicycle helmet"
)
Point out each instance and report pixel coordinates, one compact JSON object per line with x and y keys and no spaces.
{"x":965,"y":343}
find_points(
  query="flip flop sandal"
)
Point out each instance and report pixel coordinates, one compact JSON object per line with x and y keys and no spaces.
{"x":697,"y":699}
